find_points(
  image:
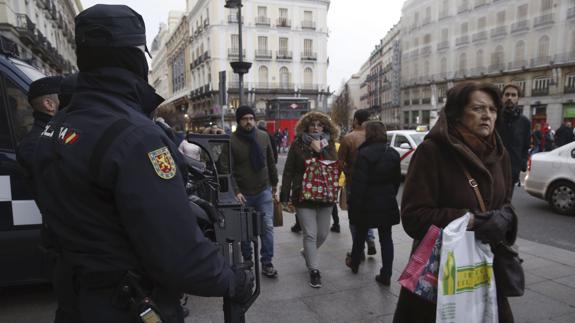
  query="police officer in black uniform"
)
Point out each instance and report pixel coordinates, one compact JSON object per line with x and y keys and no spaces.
{"x":109,"y":187}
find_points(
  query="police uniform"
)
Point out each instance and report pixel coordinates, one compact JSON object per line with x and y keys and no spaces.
{"x":112,"y":192}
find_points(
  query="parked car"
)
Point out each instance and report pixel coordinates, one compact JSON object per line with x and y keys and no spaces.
{"x":405,"y":142}
{"x":551,"y":176}
{"x":22,"y":260}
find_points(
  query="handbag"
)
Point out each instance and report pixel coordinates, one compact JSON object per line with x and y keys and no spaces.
{"x":420,"y":274}
{"x":320,"y":182}
{"x":507,"y":265}
{"x":278,"y":214}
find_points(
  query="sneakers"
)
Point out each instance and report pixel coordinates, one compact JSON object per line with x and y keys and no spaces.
{"x":383,"y":281}
{"x":269,"y":271}
{"x":371,"y":248}
{"x":314,"y":278}
{"x":296,"y":228}
{"x":335,"y":228}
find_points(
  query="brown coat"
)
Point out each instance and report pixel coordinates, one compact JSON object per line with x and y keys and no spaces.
{"x":437,"y":192}
{"x":347,"y":152}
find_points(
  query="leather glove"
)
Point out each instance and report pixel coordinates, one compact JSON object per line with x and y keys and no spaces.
{"x":243,"y":285}
{"x":492,"y":226}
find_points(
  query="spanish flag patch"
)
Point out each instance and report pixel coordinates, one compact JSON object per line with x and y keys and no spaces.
{"x":163,"y":163}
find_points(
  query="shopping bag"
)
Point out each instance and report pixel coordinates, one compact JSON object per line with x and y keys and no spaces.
{"x":420,"y":274}
{"x":320,"y":181}
{"x":466,"y":285}
{"x":278,"y":214}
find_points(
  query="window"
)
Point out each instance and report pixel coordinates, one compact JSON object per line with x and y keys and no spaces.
{"x":543,"y":47}
{"x":284,"y":78}
{"x":308,"y":76}
{"x":308,"y":16}
{"x":479,"y":59}
{"x":21,"y":113}
{"x":541,"y":85}
{"x":481,"y":22}
{"x":520,"y":51}
{"x":308,"y":46}
{"x":406,"y":117}
{"x":443,"y":65}
{"x":283,"y":13}
{"x":263,"y":75}
{"x":462,"y":62}
{"x":262,"y":43}
{"x":283,"y":44}
{"x":262,"y":11}
{"x":401,"y":139}
{"x":570,"y":81}
{"x":520,"y":84}
{"x":235,"y":42}
{"x":178,"y":72}
{"x":464,"y":28}
{"x":444,"y":35}
{"x":500,"y":18}
{"x":546,"y":5}
{"x":522,"y":12}
{"x":498,"y":55}
{"x":427,"y":39}
{"x":426,"y":68}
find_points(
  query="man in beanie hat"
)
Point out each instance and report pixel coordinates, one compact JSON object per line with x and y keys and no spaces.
{"x":256,"y":179}
{"x":43,"y":97}
{"x":112,"y":188}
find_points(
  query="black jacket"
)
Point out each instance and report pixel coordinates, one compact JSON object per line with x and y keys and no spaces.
{"x":515,"y":132}
{"x":376,"y":179}
{"x":563,"y":136}
{"x":124,"y":207}
{"x":25,"y":151}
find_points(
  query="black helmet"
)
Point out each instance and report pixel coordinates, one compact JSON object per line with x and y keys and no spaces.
{"x":110,"y":26}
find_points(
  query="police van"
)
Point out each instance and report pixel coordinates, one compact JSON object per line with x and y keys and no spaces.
{"x":22,"y":261}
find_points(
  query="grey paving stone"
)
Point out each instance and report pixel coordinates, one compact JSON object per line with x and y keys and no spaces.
{"x":568,"y":281}
{"x":556,"y":291}
{"x":535,"y":308}
{"x":553,"y":271}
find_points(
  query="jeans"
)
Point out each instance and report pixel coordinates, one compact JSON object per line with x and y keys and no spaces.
{"x":352,"y":229}
{"x":262,"y":202}
{"x":386,"y":243}
{"x":315,"y":226}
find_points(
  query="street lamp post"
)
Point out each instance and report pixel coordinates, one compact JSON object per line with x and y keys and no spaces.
{"x":240,"y":67}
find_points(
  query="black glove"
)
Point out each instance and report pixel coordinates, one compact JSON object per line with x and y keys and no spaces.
{"x":492,"y":226}
{"x":243,"y":285}
{"x":208,"y":207}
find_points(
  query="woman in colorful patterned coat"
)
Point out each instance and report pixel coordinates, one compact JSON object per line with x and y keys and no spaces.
{"x":315,"y":135}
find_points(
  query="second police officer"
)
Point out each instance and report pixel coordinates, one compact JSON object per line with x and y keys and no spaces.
{"x":111,"y":191}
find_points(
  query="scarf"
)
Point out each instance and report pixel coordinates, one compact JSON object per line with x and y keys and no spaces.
{"x":256,"y":154}
{"x":483,"y":148}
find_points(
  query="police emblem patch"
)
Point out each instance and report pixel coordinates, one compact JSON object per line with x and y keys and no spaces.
{"x":163,"y":163}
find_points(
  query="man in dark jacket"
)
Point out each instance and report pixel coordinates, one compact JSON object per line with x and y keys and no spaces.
{"x":255,"y":179}
{"x":262,"y":127}
{"x":110,"y":187}
{"x":515,"y":131}
{"x":564,"y":134}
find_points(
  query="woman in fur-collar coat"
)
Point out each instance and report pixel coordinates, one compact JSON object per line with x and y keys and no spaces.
{"x":315,"y":137}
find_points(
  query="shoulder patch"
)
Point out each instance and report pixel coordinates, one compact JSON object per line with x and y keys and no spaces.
{"x":163,"y":163}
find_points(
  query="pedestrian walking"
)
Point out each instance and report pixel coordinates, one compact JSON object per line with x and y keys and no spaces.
{"x":262,"y":127}
{"x":315,"y":134}
{"x":537,"y":139}
{"x":256,"y":178}
{"x":515,"y":132}
{"x":462,"y":145}
{"x":347,"y":155}
{"x":111,"y":187}
{"x":548,"y":138}
{"x":376,"y":180}
{"x":564,"y":134}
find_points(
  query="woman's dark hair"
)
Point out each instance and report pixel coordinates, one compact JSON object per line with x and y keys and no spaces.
{"x":375,"y":131}
{"x":459,"y":96}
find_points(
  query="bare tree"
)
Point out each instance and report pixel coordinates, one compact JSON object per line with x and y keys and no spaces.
{"x":341,"y":109}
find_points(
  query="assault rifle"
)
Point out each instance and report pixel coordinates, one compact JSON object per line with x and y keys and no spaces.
{"x":230,"y":224}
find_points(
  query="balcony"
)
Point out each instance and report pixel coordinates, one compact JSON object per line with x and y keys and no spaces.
{"x":541,"y":61}
{"x":283,"y":23}
{"x":426,"y":50}
{"x":263,"y":54}
{"x":462,"y":8}
{"x":235,"y":53}
{"x":462,"y":40}
{"x":284,"y":55}
{"x":497,"y":67}
{"x":414,"y":101}
{"x":479,"y":36}
{"x":569,"y":89}
{"x":309,"y":56}
{"x":309,"y":87}
{"x":564,"y":58}
{"x":443,"y":45}
{"x":480,"y":3}
{"x":520,"y":26}
{"x":518,"y":64}
{"x":26,"y":28}
{"x":460,"y":74}
{"x":263,"y":21}
{"x":406,"y":102}
{"x":543,"y":20}
{"x":426,"y":21}
{"x":426,"y":101}
{"x":442,"y":15}
{"x":540,"y":92}
{"x":414,"y":53}
{"x":206,"y":22}
{"x":571,"y":13}
{"x":308,"y":25}
{"x":499,"y":31}
{"x":233,"y":19}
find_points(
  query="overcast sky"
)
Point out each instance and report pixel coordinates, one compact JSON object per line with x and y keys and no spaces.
{"x":356,"y":26}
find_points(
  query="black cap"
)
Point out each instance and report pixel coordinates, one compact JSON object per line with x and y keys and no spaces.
{"x":110,"y":26}
{"x":242,"y":111}
{"x":44,"y":86}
